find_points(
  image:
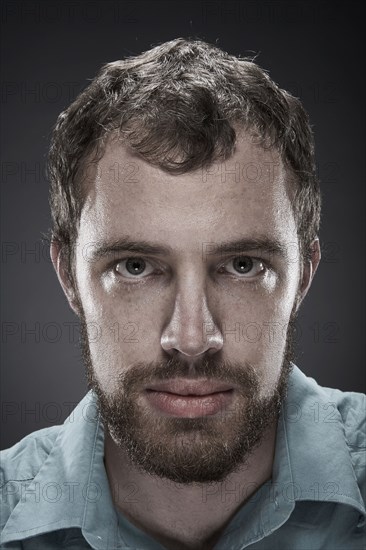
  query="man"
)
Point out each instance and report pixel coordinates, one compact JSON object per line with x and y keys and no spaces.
{"x":186,"y":210}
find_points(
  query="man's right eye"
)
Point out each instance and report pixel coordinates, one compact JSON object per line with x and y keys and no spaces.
{"x":133,"y":268}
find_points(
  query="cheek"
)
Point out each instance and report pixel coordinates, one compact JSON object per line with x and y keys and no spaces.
{"x":123,"y":327}
{"x":255,"y":326}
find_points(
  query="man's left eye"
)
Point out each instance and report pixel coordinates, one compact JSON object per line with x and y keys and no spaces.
{"x":245,"y":265}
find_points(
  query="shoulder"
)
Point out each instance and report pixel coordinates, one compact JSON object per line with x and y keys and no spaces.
{"x":352,"y":409}
{"x":347,"y":411}
{"x":331,"y":406}
{"x":20,"y":464}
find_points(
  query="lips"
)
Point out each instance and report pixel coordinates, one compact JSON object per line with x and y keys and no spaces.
{"x":190,"y":387}
{"x":189,"y":398}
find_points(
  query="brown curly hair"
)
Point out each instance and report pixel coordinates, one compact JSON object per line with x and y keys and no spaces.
{"x":177,"y":105}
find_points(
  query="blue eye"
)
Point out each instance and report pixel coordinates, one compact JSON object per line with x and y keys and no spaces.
{"x":133,"y":267}
{"x":246,"y":265}
{"x":243,"y":265}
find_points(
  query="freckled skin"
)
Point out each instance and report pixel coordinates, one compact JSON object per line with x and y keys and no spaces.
{"x":167,"y":311}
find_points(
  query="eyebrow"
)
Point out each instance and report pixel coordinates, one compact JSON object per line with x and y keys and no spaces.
{"x":125,"y":244}
{"x":262,"y":244}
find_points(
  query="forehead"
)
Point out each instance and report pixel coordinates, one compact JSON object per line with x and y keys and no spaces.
{"x":245,"y":195}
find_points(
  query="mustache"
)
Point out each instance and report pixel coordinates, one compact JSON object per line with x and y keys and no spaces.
{"x":139,"y":374}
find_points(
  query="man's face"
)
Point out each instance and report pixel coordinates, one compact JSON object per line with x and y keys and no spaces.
{"x":188,"y":312}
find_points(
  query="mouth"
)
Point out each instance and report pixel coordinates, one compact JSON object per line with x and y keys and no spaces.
{"x":190,"y":387}
{"x":189,"y":398}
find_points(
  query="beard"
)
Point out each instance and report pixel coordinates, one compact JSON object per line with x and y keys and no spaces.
{"x":198,"y":450}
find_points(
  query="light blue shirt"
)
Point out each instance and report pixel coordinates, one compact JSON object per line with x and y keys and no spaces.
{"x":55,"y":491}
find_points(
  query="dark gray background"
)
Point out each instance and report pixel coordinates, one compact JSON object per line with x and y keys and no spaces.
{"x":50,"y":52}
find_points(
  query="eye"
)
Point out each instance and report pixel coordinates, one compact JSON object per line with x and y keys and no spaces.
{"x":132,"y":268}
{"x":246,"y":266}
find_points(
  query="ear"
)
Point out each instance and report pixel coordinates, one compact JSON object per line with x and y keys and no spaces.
{"x":308,"y":271}
{"x":63,"y":275}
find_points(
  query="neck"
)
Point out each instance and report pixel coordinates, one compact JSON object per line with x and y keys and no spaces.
{"x":184,"y":516}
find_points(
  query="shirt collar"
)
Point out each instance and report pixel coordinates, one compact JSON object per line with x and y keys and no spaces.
{"x":312,"y":459}
{"x":71,"y":488}
{"x":319,"y":456}
{"x":71,"y":482}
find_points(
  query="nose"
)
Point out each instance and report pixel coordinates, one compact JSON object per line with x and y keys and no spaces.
{"x":191,"y":331}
